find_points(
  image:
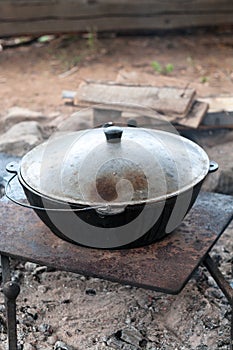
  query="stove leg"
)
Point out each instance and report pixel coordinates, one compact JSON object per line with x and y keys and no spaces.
{"x":223,"y":285}
{"x":6,"y":272}
{"x":11,"y":291}
{"x":231,"y":345}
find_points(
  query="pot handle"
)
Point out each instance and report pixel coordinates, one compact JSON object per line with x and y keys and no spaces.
{"x":10,"y":169}
{"x":13,"y":168}
{"x":213,"y":166}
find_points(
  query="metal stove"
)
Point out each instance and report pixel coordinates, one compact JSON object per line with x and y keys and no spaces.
{"x":171,"y":262}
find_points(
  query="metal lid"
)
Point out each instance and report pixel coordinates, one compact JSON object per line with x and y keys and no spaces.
{"x":117,"y":165}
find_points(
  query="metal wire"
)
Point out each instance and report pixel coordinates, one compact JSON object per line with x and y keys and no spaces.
{"x":25,"y":205}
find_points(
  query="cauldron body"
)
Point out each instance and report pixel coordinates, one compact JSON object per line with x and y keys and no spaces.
{"x":91,"y":217}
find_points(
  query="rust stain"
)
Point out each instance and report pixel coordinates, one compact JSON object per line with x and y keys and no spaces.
{"x":106,"y":187}
{"x":138,"y":180}
{"x":106,"y":184}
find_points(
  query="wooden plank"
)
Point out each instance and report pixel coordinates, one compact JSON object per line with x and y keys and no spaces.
{"x":19,"y":17}
{"x":171,"y":102}
{"x":111,"y":7}
{"x":195,"y":116}
{"x":219,"y":103}
{"x":220,"y":112}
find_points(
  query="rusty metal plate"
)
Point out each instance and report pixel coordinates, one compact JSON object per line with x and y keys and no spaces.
{"x":163,"y":266}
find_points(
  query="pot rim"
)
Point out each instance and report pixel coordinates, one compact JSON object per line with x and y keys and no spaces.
{"x":58,"y":200}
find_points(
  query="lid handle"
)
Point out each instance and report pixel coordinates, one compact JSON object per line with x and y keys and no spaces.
{"x":113,"y":133}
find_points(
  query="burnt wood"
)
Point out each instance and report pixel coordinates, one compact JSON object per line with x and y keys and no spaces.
{"x":19,"y":17}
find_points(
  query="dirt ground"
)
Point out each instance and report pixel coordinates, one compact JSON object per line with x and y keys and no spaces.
{"x":31,"y":76}
{"x":87,"y":313}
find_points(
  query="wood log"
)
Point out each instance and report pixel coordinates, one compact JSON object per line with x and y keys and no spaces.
{"x":19,"y":17}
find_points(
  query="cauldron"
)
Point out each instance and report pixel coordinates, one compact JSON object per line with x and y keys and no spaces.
{"x":113,"y":187}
